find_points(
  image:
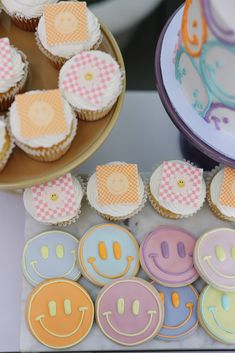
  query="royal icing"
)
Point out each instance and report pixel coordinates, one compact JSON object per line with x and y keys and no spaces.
{"x":221,"y":118}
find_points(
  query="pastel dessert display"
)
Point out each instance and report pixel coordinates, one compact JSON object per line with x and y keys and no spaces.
{"x":180,"y":312}
{"x":116,"y":191}
{"x":216,"y":312}
{"x":59,"y":313}
{"x":107,"y":252}
{"x":25,"y":13}
{"x":6,"y":144}
{"x":49,"y":255}
{"x":214,"y":258}
{"x":43,"y":124}
{"x":55,"y":202}
{"x":221,"y":193}
{"x":66,"y":29}
{"x":177,"y":189}
{"x":205,"y":60}
{"x":91,"y":82}
{"x":129,"y":311}
{"x":13,"y":73}
{"x":166,"y":255}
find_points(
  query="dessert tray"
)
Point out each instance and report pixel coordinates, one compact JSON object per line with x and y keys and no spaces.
{"x":218,"y":145}
{"x":21,"y":171}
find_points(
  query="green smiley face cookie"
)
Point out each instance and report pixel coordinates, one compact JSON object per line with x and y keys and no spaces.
{"x":216,"y":313}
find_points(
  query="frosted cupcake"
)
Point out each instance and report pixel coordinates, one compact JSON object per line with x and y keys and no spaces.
{"x":221,"y":193}
{"x":91,"y":82}
{"x":66,"y":29}
{"x":56,"y":202}
{"x":25,"y":13}
{"x":43,"y":124}
{"x":116,"y":191}
{"x":6,"y":144}
{"x":177,"y":189}
{"x":13,"y":73}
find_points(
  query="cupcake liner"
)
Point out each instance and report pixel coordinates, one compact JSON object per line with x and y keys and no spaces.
{"x":27,"y":24}
{"x":7,"y":154}
{"x":7,"y":98}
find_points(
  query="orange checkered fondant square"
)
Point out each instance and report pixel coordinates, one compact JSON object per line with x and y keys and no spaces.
{"x":227,"y":193}
{"x":66,"y":22}
{"x":41,"y":114}
{"x":117,"y":184}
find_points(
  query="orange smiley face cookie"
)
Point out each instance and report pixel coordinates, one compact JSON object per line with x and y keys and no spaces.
{"x":59,"y":313}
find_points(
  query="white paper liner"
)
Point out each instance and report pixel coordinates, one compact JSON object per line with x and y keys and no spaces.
{"x":8,"y":153}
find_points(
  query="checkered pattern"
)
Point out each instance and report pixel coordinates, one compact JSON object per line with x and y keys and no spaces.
{"x":227,"y":193}
{"x":193,"y":177}
{"x":6,"y":67}
{"x":88,"y":61}
{"x":69,"y":206}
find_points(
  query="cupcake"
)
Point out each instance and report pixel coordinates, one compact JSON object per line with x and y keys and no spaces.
{"x":177,"y":189}
{"x":43,"y":124}
{"x":25,"y":13}
{"x":56,"y":202}
{"x":66,"y":29}
{"x":116,"y":191}
{"x":91,"y":82}
{"x":6,"y":144}
{"x":221,"y":193}
{"x":13,"y":73}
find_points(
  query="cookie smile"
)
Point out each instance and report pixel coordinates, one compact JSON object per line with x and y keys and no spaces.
{"x":154,"y":258}
{"x":207,"y":259}
{"x":190,"y":306}
{"x":213,"y":311}
{"x":91,"y":260}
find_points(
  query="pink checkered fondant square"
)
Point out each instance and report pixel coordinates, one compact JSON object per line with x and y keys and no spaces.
{"x":6,"y":65}
{"x":55,"y":199}
{"x":181,"y":183}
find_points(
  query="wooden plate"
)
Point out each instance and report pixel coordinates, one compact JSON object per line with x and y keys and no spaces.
{"x":21,"y":171}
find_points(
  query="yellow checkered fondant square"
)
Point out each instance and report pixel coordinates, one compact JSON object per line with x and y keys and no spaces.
{"x":66,"y":22}
{"x":117,"y":184}
{"x":227,"y":193}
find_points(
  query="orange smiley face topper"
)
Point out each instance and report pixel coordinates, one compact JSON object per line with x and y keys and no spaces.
{"x":60,"y":313}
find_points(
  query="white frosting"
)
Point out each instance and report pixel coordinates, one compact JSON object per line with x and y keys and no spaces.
{"x":29,"y":203}
{"x":26,"y":8}
{"x":215,"y":189}
{"x":117,"y":210}
{"x":18,"y":71}
{"x":41,"y":141}
{"x":178,"y":209}
{"x":225,"y":9}
{"x":2,"y":134}
{"x":67,"y":50}
{"x":109,"y":95}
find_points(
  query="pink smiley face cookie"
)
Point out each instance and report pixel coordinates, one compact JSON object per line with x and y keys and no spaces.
{"x":214,"y":258}
{"x":129,"y":311}
{"x":166,"y":255}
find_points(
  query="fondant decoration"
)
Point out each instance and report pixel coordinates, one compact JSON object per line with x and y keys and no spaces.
{"x":214,"y":260}
{"x":50,"y":254}
{"x":166,"y":255}
{"x":227,"y":194}
{"x":107,"y":252}
{"x":222,"y":118}
{"x":66,"y":22}
{"x":180,"y":311}
{"x":59,"y":313}
{"x":194,"y":28}
{"x":6,"y":66}
{"x":129,"y":311}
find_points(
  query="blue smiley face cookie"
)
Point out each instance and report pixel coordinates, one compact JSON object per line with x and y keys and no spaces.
{"x":50,"y":254}
{"x":107,"y":252}
{"x":180,"y":305}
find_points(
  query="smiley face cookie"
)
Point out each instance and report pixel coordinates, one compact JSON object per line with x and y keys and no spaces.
{"x":216,"y":311}
{"x":107,"y":252}
{"x":166,"y":255}
{"x":214,"y":258}
{"x":180,"y":311}
{"x":49,"y":255}
{"x":59,"y":313}
{"x":129,"y":311}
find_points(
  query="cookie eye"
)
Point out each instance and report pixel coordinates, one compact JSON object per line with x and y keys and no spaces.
{"x":220,"y":253}
{"x":117,"y":250}
{"x":120,"y":306}
{"x":175,"y":299}
{"x":60,"y":251}
{"x":165,"y":249}
{"x":181,"y":249}
{"x":225,"y":302}
{"x":52,"y":308}
{"x":162,"y":296}
{"x":233,"y":252}
{"x":44,"y":252}
{"x":136,"y":307}
{"x":102,"y":250}
{"x":67,"y":307}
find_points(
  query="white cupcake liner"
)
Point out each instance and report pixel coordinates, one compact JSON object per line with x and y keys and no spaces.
{"x":8,"y":153}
